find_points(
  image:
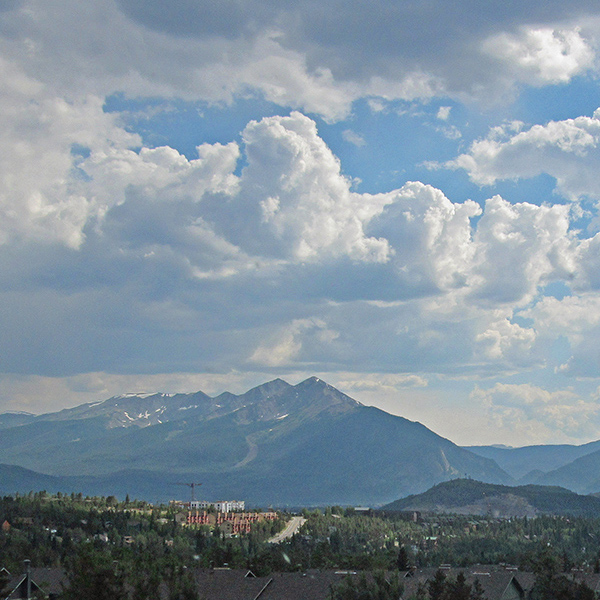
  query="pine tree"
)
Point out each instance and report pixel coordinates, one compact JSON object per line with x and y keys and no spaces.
{"x":437,"y":586}
{"x":402,"y":562}
{"x":477,"y":591}
{"x":459,"y":589}
{"x":92,"y":575}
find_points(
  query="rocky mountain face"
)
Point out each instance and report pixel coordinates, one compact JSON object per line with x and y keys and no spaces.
{"x":276,"y":444}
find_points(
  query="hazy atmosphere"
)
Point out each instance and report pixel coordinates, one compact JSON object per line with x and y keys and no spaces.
{"x":400,"y":200}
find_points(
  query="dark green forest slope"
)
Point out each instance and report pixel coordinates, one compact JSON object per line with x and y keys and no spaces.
{"x":466,"y":496}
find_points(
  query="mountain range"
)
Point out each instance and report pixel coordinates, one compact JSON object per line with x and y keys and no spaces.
{"x":576,"y":468}
{"x":280,"y":444}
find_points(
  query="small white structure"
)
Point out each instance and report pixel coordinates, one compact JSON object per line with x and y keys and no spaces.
{"x":222,"y":506}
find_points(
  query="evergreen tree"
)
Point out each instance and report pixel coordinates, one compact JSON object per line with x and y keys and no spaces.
{"x":402,"y":562}
{"x":551,"y":585}
{"x":377,"y":587}
{"x":546,"y":570}
{"x":93,"y":575}
{"x":4,"y":579}
{"x":458,"y":589}
{"x":477,"y":591}
{"x":437,"y":586}
{"x":184,"y":587}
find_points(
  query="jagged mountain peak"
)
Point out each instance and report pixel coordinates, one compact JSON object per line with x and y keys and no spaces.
{"x":267,"y":390}
{"x":313,"y":382}
{"x":315,"y":390}
{"x":272,"y":400}
{"x":134,"y":409}
{"x":278,"y":400}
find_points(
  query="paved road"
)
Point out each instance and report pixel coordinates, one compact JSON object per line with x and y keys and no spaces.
{"x":291,"y":528}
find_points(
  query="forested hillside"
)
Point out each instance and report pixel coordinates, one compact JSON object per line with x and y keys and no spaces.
{"x":466,"y":496}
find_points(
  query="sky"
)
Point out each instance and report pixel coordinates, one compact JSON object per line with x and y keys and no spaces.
{"x":398,"y":197}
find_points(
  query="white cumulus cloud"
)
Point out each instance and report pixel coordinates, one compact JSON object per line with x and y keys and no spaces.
{"x":542,"y":55}
{"x":295,"y":343}
{"x":430,"y":235}
{"x":517,"y":248}
{"x":293,"y":191}
{"x":567,"y":150}
{"x":537,"y":413}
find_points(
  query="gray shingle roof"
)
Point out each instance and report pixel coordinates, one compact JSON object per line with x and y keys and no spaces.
{"x":234,"y":585}
{"x":49,"y":581}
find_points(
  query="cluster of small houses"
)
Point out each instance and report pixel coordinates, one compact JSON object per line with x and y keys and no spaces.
{"x":497,"y":583}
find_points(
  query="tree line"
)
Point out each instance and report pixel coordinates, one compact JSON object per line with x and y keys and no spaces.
{"x":130,"y":547}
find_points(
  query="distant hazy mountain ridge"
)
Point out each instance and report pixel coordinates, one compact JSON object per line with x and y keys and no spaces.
{"x":574,"y":467}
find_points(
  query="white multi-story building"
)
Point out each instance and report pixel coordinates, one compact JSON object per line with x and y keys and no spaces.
{"x":200,"y":504}
{"x":226,"y":506}
{"x":223,"y":506}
